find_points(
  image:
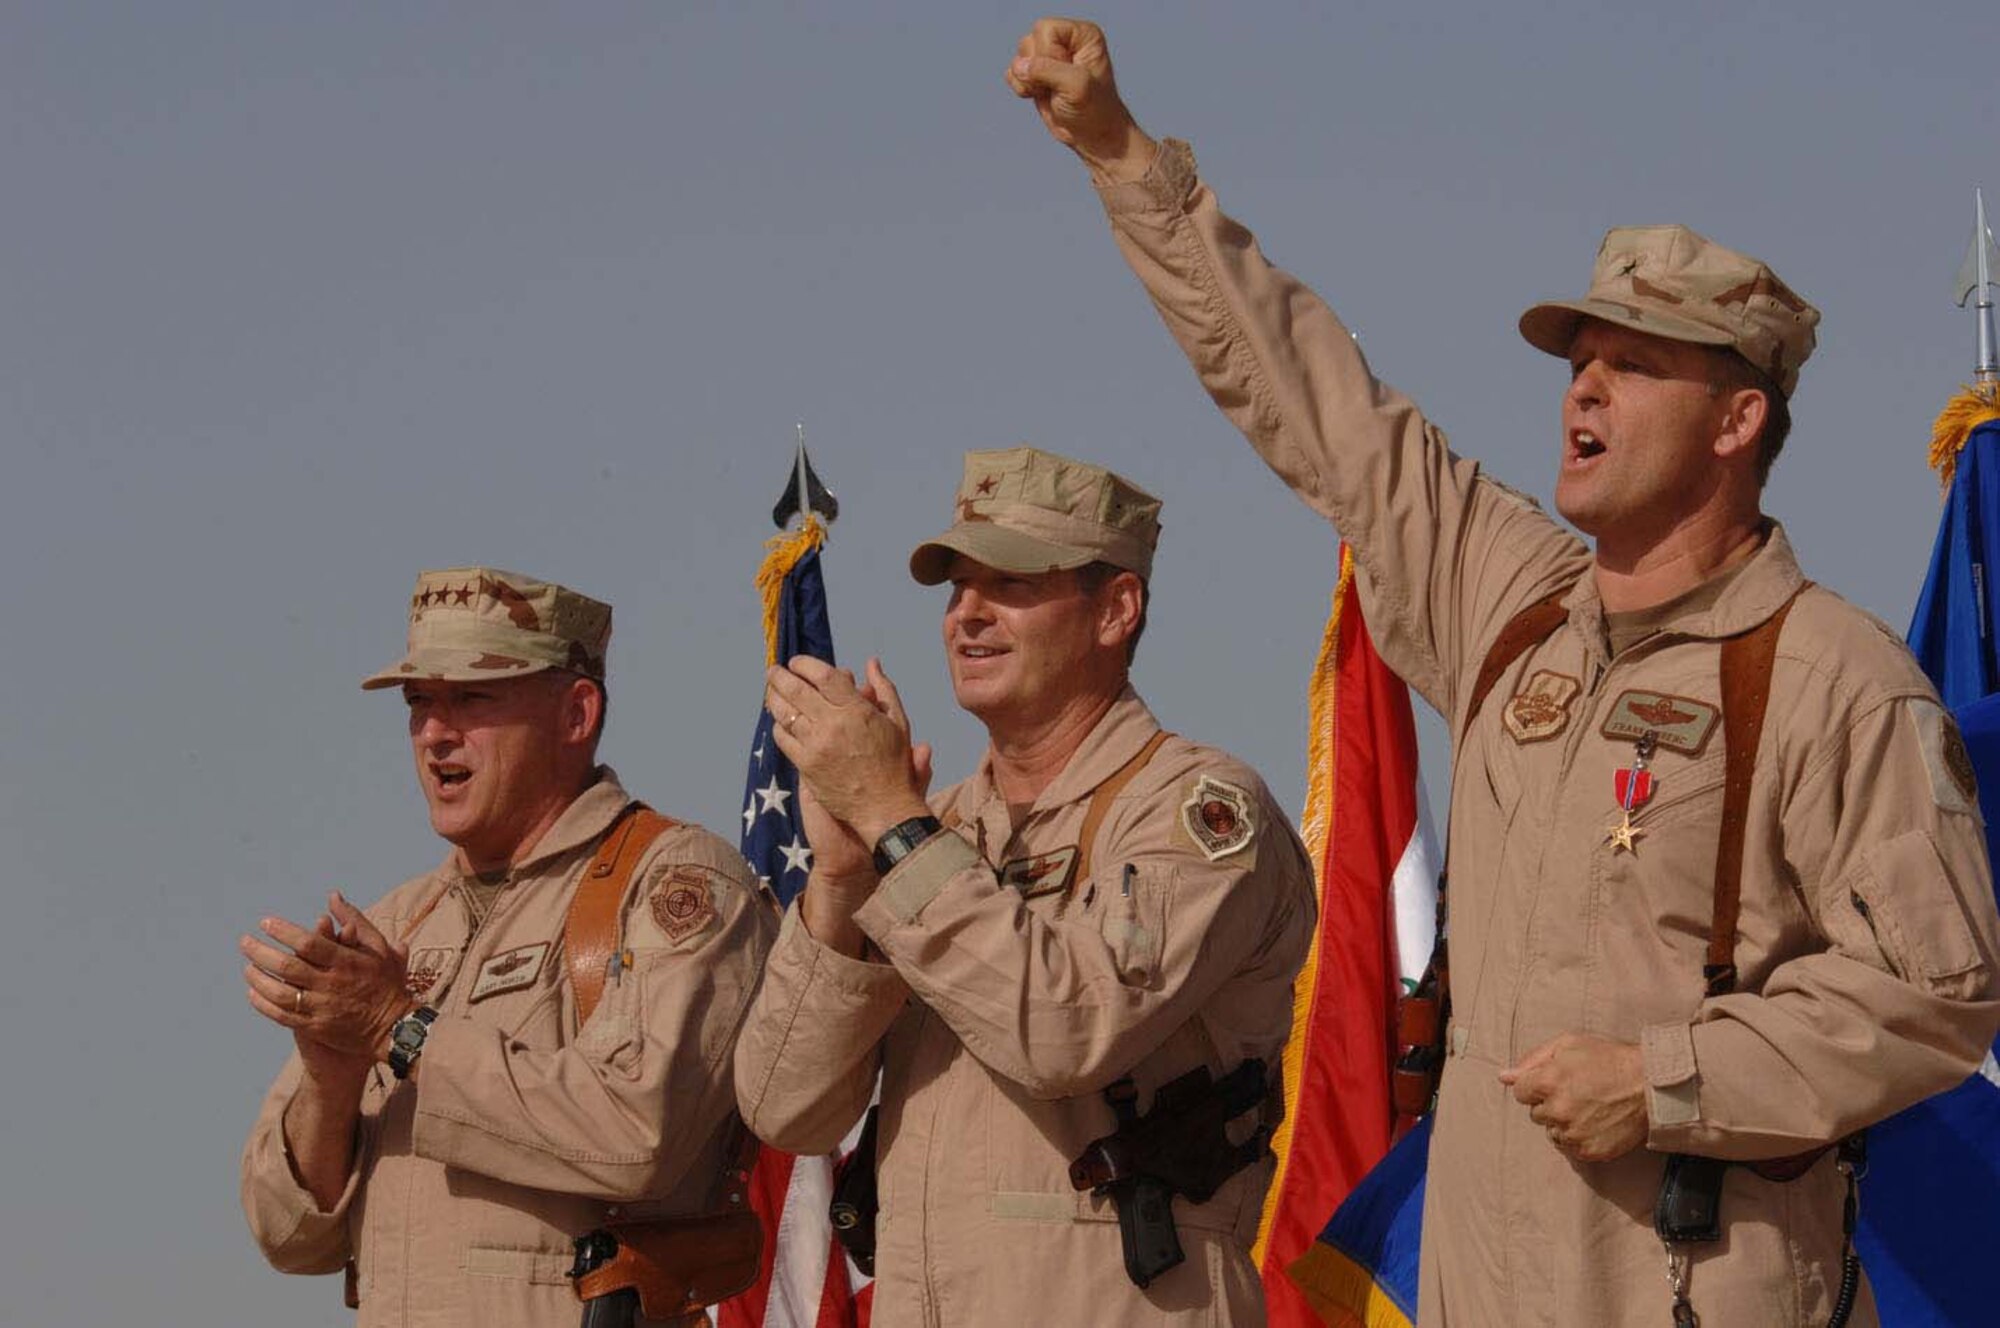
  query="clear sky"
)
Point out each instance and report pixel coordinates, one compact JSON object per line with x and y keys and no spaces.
{"x":302,"y":298}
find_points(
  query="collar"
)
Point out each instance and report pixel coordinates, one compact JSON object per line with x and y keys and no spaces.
{"x":1115,"y":739}
{"x":1762,"y":586}
{"x":593,"y":812}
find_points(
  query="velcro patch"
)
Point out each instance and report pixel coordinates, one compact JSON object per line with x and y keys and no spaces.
{"x":1540,"y":710}
{"x":1043,"y":874}
{"x":1680,"y":723}
{"x":427,"y":966}
{"x":1954,"y":787}
{"x":510,"y":970}
{"x":682,"y":900}
{"x":1218,"y":817}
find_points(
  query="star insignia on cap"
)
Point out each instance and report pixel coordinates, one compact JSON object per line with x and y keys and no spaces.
{"x":463,"y":595}
{"x":987,"y":485}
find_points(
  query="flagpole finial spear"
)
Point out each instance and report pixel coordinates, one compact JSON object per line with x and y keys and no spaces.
{"x":804,"y":492}
{"x":1975,"y":282}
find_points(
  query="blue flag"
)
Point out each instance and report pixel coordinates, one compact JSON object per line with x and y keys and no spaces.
{"x":773,"y":839}
{"x":1363,"y":1268}
{"x":1930,"y":1204}
{"x":804,"y":1273}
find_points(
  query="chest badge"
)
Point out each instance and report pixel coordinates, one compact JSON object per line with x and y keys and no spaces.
{"x":1042,"y":874}
{"x":1218,"y":818}
{"x":1632,"y":787}
{"x":1540,"y":710}
{"x":1678,"y":723}
{"x":427,"y":966}
{"x":510,"y":970}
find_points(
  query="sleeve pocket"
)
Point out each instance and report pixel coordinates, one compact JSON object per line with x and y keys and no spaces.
{"x":613,"y":1034}
{"x":1134,"y":928}
{"x":1918,"y":918}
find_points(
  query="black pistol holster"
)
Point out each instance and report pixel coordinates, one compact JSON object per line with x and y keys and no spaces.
{"x":1181,"y":1147}
{"x":854,"y":1205}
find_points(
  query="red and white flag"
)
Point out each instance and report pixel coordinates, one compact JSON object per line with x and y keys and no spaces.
{"x":1368,"y":832}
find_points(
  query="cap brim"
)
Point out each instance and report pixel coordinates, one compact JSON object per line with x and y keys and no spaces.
{"x":1552,"y":327}
{"x":436,"y":664}
{"x":995,"y":546}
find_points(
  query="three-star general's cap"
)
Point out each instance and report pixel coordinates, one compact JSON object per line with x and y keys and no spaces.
{"x":1026,"y":510}
{"x":1670,"y":282}
{"x":469,"y":624}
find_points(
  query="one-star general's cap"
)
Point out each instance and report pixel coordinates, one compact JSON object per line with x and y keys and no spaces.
{"x":469,"y":624}
{"x":1026,"y":510}
{"x":1670,"y":282}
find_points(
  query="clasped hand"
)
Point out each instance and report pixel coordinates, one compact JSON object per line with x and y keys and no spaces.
{"x":338,"y":985}
{"x":859,"y":773}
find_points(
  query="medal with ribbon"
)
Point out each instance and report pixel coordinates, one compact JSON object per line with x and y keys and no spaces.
{"x":1633,"y":788}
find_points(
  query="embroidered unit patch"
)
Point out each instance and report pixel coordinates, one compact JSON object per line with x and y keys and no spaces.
{"x":426,"y":967}
{"x":1953,"y":785}
{"x":510,"y":970}
{"x":1043,"y":874}
{"x":682,"y":901}
{"x":1679,"y":723}
{"x":1540,"y":710}
{"x":1218,"y":818}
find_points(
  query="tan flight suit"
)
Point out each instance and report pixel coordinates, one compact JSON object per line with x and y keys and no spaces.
{"x":1005,"y":1009}
{"x":1868,"y":937}
{"x":518,"y":1132}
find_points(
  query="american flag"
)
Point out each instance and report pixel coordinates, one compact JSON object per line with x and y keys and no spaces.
{"x":808,"y":1281}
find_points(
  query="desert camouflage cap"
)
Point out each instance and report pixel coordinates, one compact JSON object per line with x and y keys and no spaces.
{"x":469,"y":624}
{"x":1673,"y":283}
{"x":1026,"y":510}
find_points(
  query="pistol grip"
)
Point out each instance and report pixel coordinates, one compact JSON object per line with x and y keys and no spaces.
{"x":1146,"y":1226}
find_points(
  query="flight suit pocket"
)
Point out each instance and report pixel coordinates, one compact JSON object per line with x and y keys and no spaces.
{"x":1918,"y":918}
{"x":1501,"y":766}
{"x":613,"y":1034}
{"x":540,"y":1026}
{"x":1132,"y":920}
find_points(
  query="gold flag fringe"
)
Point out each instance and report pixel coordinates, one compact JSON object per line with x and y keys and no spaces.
{"x":1315,"y":825}
{"x":1968,"y":410}
{"x":781,"y":554}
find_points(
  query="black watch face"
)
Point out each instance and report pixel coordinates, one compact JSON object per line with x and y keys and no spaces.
{"x":408,"y":1034}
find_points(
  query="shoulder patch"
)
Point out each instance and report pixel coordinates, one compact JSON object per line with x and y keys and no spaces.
{"x":682,"y":898}
{"x":1954,"y":786}
{"x":427,"y":966}
{"x":1219,"y":817}
{"x":1540,"y":710}
{"x":1678,"y":723}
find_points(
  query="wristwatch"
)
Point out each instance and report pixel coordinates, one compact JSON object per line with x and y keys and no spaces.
{"x":901,"y":840}
{"x":406,"y":1039}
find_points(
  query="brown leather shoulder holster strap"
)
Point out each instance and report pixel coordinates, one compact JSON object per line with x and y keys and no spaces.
{"x":1747,"y":661}
{"x":1102,"y":797}
{"x":1524,"y":631}
{"x":675,"y":1264}
{"x":1422,"y":1015}
{"x":593,"y":939}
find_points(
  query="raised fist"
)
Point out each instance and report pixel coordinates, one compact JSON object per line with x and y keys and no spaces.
{"x":1064,"y":67}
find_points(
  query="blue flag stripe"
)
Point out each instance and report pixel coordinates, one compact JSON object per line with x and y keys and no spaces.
{"x":772,"y":837}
